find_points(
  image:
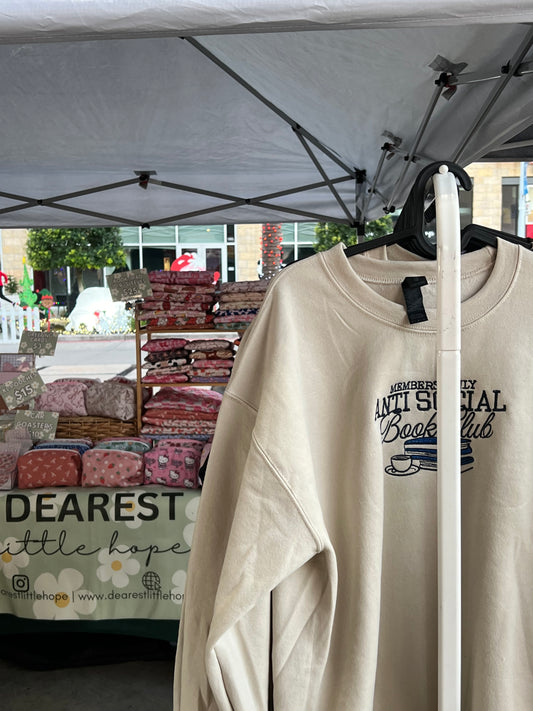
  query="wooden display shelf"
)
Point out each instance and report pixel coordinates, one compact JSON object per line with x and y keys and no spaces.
{"x":180,"y":329}
{"x":188,"y":384}
{"x":147,"y":332}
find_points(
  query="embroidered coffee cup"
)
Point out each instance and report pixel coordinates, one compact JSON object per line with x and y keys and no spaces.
{"x":401,"y":462}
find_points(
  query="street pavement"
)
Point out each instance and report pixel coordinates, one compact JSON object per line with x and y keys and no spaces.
{"x":86,"y":357}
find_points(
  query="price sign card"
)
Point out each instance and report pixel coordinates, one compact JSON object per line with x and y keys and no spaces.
{"x":24,"y":387}
{"x":129,"y":285}
{"x":38,"y":342}
{"x":40,"y":425}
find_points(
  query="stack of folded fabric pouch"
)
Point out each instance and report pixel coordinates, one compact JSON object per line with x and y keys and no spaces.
{"x":239,"y":303}
{"x":166,"y":360}
{"x":113,"y":462}
{"x":182,"y":360}
{"x":179,"y":300}
{"x":211,"y":359}
{"x":187,"y":412}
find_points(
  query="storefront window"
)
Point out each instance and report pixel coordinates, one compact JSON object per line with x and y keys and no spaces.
{"x":58,"y":280}
{"x":230,"y":251}
{"x":213,"y":260}
{"x":510,"y":208}
{"x":288,"y":232}
{"x":150,"y":235}
{"x":306,"y":232}
{"x":130,"y":236}
{"x":200,"y":234}
{"x":159,"y":235}
{"x":298,"y":240}
{"x":466,"y":199}
{"x":288,"y":255}
{"x":153,"y":258}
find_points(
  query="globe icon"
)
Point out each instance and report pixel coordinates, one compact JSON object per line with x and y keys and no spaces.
{"x":151,"y":580}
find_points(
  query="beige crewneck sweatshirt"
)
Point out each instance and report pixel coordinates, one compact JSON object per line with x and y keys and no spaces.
{"x":312,"y":583}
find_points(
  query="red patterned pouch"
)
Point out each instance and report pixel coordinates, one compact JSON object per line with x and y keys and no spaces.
{"x":49,"y":467}
{"x":107,"y":467}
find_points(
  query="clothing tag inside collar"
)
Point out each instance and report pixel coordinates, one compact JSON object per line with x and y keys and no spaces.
{"x":412,"y":293}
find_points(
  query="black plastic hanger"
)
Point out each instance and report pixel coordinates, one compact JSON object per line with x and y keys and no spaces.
{"x":409,"y":230}
{"x":474,"y":236}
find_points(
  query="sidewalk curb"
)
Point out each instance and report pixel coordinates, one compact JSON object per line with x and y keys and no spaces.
{"x":96,"y":337}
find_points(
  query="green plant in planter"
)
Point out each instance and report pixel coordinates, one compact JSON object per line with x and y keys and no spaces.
{"x":12,"y":285}
{"x":330,"y":233}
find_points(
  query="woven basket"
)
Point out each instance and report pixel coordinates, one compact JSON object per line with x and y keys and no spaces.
{"x":94,"y":427}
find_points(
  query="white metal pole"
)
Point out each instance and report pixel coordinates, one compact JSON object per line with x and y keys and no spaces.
{"x":522,"y":202}
{"x":448,"y":438}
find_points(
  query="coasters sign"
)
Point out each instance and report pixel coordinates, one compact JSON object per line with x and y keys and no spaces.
{"x":40,"y":425}
{"x":129,"y":285}
{"x":38,"y":342}
{"x":24,"y":387}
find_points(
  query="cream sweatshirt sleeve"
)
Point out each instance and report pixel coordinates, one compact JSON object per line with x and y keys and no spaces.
{"x":251,"y":536}
{"x":262,"y":578}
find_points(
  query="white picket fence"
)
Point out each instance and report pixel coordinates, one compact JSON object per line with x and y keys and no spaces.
{"x":14,"y":319}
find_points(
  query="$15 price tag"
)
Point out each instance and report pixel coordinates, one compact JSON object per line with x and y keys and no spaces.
{"x":24,"y":387}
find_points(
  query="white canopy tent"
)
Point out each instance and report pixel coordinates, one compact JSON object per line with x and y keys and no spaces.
{"x":234,"y":112}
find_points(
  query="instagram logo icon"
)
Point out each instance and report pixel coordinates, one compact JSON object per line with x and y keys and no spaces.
{"x":21,"y":583}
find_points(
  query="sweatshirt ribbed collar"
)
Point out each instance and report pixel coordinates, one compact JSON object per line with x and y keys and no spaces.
{"x":355,"y":276}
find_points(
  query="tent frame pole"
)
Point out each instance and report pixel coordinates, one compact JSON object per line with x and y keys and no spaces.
{"x":387,"y":150}
{"x":477,"y":77}
{"x":322,"y":172}
{"x":232,"y":201}
{"x":419,"y":134}
{"x":303,"y":135}
{"x":279,"y":112}
{"x":513,"y":71}
{"x":448,"y":439}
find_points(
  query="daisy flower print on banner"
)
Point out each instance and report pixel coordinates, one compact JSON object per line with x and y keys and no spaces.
{"x":191,"y":511}
{"x":117,"y":567}
{"x":10,"y":560}
{"x":64,"y":598}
